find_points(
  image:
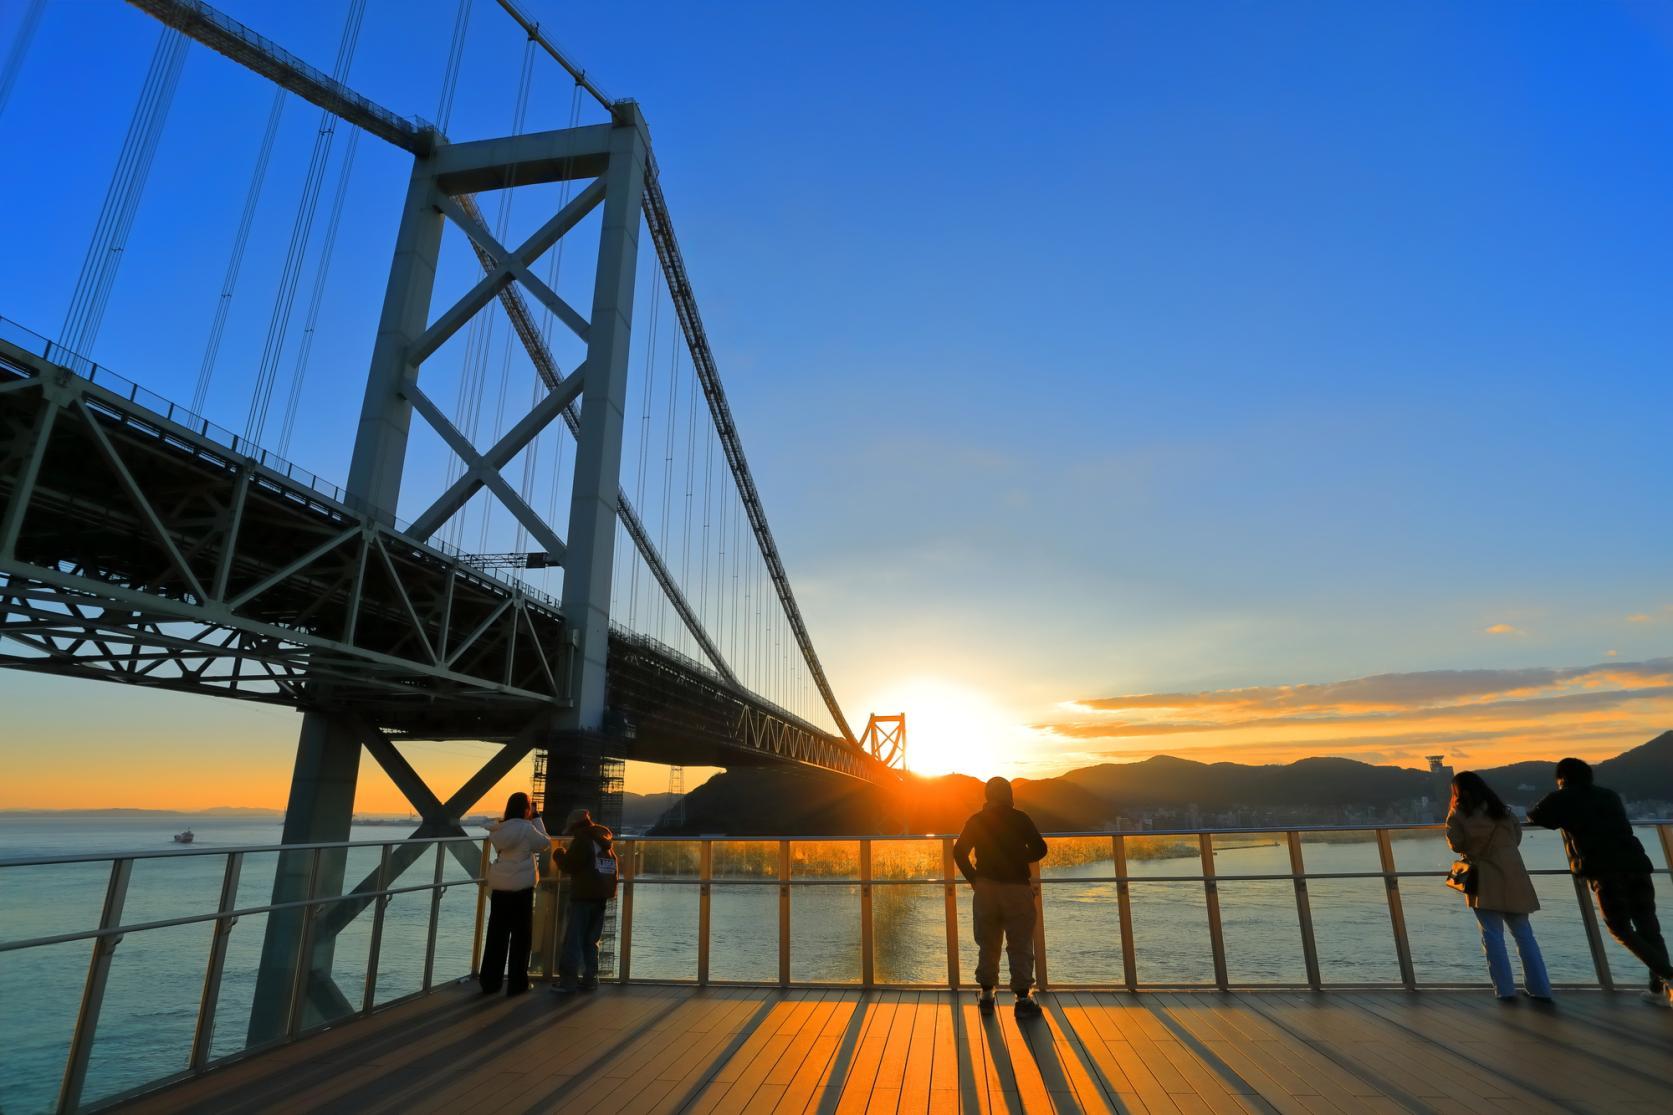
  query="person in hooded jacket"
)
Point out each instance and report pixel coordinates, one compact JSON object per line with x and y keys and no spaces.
{"x":1480,"y":828}
{"x":590,"y":863}
{"x":518,"y":839}
{"x":1005,"y":842}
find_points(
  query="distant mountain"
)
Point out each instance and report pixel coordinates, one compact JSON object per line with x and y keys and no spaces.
{"x":641,"y":811}
{"x":767,"y":801}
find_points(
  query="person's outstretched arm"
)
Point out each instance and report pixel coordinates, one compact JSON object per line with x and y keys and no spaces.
{"x":1548,"y":814}
{"x":539,"y":840}
{"x":961,"y":853}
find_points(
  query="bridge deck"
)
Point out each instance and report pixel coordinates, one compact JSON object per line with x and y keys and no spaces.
{"x":668,"y":1049}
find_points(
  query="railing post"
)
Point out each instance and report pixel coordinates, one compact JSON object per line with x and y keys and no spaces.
{"x":385,"y":869}
{"x":204,"y":1036}
{"x":784,"y":913}
{"x":1039,"y":924}
{"x":1124,"y":904}
{"x":950,"y":898}
{"x":1396,"y":913}
{"x":866,"y":967}
{"x":1211,"y":898}
{"x":1304,"y":911}
{"x":436,"y":891}
{"x":624,"y":940}
{"x":93,"y":990}
{"x":481,"y":909}
{"x":1594,"y":937}
{"x":304,"y":952}
{"x":705,"y":872}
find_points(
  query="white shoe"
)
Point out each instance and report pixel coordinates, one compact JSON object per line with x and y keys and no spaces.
{"x":1663,"y":998}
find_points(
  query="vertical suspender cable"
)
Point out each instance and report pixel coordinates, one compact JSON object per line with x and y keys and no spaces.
{"x":127,"y":183}
{"x":20,"y":50}
{"x":240,"y":241}
{"x":291,"y":274}
{"x":327,"y":249}
{"x":450,"y":73}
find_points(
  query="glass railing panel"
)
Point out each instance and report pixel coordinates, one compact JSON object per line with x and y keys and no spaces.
{"x":825,"y":859}
{"x":906,"y":859}
{"x":406,"y":924}
{"x":1170,"y":929}
{"x":49,"y":979}
{"x":1446,"y":946}
{"x":456,"y":932}
{"x":1352,"y":929}
{"x":238,"y":984}
{"x":51,"y":899}
{"x":909,"y":930}
{"x":1083,"y":926}
{"x":1251,"y":853}
{"x":171,"y":887}
{"x":1561,"y":932}
{"x":667,"y":859}
{"x":150,"y":1009}
{"x":825,"y":931}
{"x":1262,"y":931}
{"x":337,"y":989}
{"x":664,"y":930}
{"x":744,"y":859}
{"x":743,"y":928}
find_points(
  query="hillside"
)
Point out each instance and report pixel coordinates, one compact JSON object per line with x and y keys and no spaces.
{"x":764,"y":802}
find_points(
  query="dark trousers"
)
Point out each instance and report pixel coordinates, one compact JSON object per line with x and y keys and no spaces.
{"x":1628,"y":906}
{"x":505,"y":953}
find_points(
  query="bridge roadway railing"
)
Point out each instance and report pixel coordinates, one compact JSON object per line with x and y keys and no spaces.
{"x":1303,"y":908}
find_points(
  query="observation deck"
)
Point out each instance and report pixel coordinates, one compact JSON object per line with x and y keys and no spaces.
{"x":1296,"y":970}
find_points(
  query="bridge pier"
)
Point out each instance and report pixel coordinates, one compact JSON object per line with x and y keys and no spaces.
{"x":320,"y":810}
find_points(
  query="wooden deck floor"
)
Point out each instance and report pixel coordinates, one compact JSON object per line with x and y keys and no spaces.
{"x":671,"y":1049}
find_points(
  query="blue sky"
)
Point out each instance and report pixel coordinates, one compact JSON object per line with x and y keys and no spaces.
{"x":1080,"y":350}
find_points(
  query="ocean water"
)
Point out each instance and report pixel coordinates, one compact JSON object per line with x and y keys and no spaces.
{"x":157,"y":976}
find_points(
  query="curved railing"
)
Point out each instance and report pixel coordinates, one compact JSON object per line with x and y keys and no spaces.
{"x":1299,"y":907}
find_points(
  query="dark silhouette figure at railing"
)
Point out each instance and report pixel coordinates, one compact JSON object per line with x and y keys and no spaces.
{"x":1602,"y":849}
{"x":590,"y":863}
{"x":1484,"y":832}
{"x":1005,"y":842}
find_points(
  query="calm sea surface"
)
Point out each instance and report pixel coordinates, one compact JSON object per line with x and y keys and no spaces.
{"x":157,"y":976}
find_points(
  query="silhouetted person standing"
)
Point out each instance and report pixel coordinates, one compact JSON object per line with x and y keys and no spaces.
{"x":1005,"y":842}
{"x":590,"y":863}
{"x":518,"y":839}
{"x":1602,"y":849}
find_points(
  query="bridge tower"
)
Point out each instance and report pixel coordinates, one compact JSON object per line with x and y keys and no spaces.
{"x":578,"y":768}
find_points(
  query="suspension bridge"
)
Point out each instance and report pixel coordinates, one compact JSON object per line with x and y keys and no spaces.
{"x":548,"y":538}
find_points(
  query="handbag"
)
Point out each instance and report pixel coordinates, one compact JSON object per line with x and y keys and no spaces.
{"x":1463,"y":877}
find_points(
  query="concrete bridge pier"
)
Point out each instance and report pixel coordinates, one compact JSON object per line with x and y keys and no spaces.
{"x":320,"y":810}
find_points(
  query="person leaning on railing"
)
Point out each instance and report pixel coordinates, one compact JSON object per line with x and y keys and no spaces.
{"x":518,"y":839}
{"x":1005,"y":842}
{"x":1602,"y":849}
{"x":590,"y":863}
{"x":1486,"y":834}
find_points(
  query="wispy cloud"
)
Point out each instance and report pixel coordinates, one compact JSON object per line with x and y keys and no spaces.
{"x":1504,"y":629}
{"x":1604,"y":705}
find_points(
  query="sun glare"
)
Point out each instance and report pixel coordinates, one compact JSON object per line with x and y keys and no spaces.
{"x":952,"y":728}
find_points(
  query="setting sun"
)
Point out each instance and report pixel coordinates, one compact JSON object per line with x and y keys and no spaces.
{"x":952,"y":728}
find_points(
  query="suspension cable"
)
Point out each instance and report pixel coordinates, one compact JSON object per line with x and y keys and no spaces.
{"x":267,"y":372}
{"x":240,"y":241}
{"x":20,"y":50}
{"x":450,"y":72}
{"x":327,"y":251}
{"x":127,"y":183}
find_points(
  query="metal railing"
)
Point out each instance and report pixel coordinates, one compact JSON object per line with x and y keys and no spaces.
{"x":769,"y":865}
{"x":112,"y":930}
{"x":868,"y":867}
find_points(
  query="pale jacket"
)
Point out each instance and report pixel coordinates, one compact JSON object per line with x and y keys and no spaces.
{"x":1490,"y":845}
{"x":517,"y":844}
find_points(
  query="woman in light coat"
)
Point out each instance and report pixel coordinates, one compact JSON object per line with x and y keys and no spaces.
{"x":1484,"y":832}
{"x":518,"y":839}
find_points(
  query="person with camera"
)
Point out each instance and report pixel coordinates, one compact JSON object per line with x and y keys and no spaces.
{"x":1485,"y":833}
{"x":518,"y":839}
{"x":590,"y":863}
